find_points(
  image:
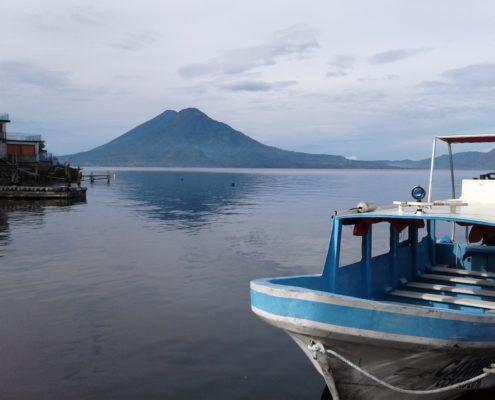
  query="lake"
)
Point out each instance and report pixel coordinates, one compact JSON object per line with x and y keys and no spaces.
{"x":142,"y":292}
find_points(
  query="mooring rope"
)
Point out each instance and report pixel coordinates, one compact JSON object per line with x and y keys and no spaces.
{"x":317,"y":347}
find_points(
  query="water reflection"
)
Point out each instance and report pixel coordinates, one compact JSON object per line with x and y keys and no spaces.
{"x":11,"y":205}
{"x":4,"y":230}
{"x":188,"y":200}
{"x":25,"y":212}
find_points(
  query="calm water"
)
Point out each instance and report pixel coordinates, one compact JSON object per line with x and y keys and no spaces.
{"x":143,"y":291}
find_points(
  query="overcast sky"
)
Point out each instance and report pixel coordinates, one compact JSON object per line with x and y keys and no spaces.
{"x":366,"y":79}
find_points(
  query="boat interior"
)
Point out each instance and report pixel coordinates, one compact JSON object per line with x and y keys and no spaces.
{"x":415,"y":268}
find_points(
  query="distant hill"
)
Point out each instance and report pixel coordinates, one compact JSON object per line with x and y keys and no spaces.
{"x":463,"y":160}
{"x":189,"y":138}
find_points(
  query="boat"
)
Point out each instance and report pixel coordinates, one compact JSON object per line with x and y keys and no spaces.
{"x":417,"y":321}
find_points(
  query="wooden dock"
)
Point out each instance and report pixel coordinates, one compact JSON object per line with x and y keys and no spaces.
{"x":96,"y":177}
{"x":43,"y":192}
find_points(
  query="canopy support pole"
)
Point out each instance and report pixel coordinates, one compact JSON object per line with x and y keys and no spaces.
{"x":432,"y":167}
{"x":452,"y":182}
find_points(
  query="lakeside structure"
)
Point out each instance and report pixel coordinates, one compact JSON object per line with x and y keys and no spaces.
{"x":17,"y":147}
{"x":27,"y":170}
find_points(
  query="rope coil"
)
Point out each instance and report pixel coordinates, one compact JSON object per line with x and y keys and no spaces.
{"x":318,"y":348}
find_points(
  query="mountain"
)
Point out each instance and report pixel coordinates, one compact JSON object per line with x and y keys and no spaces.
{"x":463,"y":160}
{"x":189,"y":138}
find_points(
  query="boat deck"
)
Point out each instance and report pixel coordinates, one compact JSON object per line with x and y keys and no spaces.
{"x":445,"y":287}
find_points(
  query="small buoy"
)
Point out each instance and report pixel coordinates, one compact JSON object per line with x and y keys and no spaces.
{"x":181,"y":179}
{"x":232,"y":184}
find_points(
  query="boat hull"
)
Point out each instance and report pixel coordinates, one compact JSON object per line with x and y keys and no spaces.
{"x":416,"y":369}
{"x":441,"y":348}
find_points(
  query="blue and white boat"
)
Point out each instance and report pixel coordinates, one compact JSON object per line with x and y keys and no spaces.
{"x":419,"y":319}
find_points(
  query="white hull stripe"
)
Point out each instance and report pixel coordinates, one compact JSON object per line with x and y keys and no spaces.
{"x":316,"y":329}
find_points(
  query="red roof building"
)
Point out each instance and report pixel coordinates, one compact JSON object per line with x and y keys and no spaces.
{"x":18,"y":148}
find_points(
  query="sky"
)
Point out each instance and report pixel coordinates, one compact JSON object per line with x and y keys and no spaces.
{"x":364,"y":79}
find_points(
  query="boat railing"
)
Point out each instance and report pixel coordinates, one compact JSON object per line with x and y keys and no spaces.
{"x":420,"y":206}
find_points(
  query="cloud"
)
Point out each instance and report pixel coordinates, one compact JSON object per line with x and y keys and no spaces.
{"x":31,"y":74}
{"x":199,"y":69}
{"x":18,"y":74}
{"x":475,"y":81}
{"x":344,"y":61}
{"x":341,"y":65}
{"x":87,"y":15}
{"x":396,"y":55}
{"x":291,"y":42}
{"x":336,"y":74}
{"x":67,"y":20}
{"x":480,"y":75}
{"x":435,"y":87}
{"x":136,"y":40}
{"x":258,"y":86}
{"x":388,"y":77}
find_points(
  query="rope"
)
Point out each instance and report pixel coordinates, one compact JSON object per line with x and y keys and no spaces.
{"x":319,"y":348}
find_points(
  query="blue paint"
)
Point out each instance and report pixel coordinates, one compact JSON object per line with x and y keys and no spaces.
{"x":333,"y":258}
{"x":379,"y":321}
{"x":394,"y":268}
{"x":366,"y":263}
{"x":373,"y":279}
{"x":431,"y":228}
{"x":413,"y":237}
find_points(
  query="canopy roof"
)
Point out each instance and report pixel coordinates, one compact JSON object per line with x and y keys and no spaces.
{"x":485,"y":138}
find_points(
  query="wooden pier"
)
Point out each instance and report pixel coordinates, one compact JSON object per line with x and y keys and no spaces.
{"x":43,"y":192}
{"x":96,"y":177}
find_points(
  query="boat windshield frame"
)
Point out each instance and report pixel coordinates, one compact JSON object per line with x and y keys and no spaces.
{"x":363,"y":227}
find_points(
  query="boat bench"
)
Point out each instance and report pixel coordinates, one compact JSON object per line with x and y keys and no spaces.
{"x":478,"y":249}
{"x":451,"y":287}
